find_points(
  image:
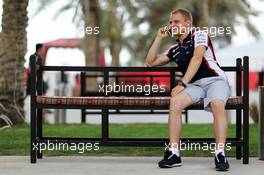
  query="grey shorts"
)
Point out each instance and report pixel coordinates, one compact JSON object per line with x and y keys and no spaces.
{"x":209,"y":89}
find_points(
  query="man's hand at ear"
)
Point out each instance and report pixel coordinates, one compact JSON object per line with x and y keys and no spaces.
{"x":153,"y":58}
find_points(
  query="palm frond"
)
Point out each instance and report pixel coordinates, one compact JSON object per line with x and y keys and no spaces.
{"x":6,"y":120}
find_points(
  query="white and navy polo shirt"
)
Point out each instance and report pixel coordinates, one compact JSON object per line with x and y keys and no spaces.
{"x":181,"y":53}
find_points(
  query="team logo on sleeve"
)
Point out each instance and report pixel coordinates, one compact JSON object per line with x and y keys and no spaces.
{"x":201,"y":38}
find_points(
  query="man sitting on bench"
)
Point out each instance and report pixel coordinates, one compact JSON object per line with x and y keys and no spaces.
{"x":203,"y":78}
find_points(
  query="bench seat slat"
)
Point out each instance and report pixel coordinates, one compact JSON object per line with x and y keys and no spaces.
{"x":116,"y":101}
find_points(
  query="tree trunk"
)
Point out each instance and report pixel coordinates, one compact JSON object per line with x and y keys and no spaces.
{"x":13,"y":46}
{"x":91,"y":41}
{"x":202,"y":13}
{"x":115,"y":34}
{"x":91,"y":44}
{"x":115,"y":49}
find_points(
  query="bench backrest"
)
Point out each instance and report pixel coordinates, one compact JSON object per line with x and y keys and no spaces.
{"x":167,"y":74}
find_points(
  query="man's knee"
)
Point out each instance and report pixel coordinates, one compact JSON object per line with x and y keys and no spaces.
{"x":176,"y":102}
{"x":217,"y":105}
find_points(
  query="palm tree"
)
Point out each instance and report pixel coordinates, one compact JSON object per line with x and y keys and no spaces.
{"x":155,"y":13}
{"x":223,"y":13}
{"x":12,"y":51}
{"x":90,"y":14}
{"x":113,"y":23}
{"x":90,"y":44}
{"x":108,"y":17}
{"x":205,"y":14}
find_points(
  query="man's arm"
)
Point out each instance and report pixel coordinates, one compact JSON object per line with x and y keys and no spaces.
{"x":159,"y":61}
{"x":192,"y":69}
{"x":201,"y":40}
{"x":194,"y":64}
{"x":153,"y":58}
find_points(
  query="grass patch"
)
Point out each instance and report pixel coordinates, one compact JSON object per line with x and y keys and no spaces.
{"x":15,"y":141}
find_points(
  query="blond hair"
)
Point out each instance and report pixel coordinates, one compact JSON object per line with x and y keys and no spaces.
{"x":186,"y":13}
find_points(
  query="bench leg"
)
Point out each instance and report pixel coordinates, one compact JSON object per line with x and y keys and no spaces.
{"x":33,"y":142}
{"x":83,"y":116}
{"x":245,"y":135}
{"x":186,"y":116}
{"x":238,"y":133}
{"x":105,"y":124}
{"x":39,"y":130}
{"x":246,"y":111}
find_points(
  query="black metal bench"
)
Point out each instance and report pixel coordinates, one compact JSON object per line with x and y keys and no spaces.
{"x":239,"y":103}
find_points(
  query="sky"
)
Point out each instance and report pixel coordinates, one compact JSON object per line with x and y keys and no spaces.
{"x":43,"y":28}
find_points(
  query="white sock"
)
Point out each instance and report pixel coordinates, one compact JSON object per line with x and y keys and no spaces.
{"x":175,"y":151}
{"x":217,"y":151}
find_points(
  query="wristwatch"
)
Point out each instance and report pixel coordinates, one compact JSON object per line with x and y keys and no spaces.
{"x":180,"y":83}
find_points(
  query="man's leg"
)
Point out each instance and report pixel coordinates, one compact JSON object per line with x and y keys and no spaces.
{"x":177,"y":103}
{"x":220,"y":131}
{"x":220,"y":123}
{"x":217,"y":93}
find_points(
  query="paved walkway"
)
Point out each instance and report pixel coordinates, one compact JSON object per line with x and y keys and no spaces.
{"x":19,"y":165}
